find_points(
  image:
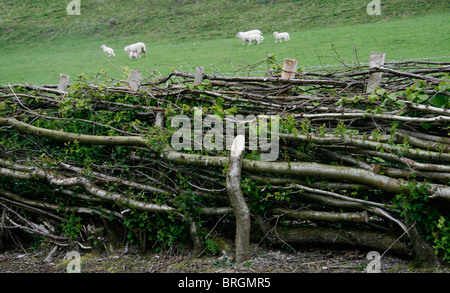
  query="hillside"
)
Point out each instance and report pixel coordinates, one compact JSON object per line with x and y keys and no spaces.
{"x":181,"y":19}
{"x":39,"y":40}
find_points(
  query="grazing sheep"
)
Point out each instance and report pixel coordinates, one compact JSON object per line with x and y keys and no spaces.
{"x":255,"y":37}
{"x":281,"y":36}
{"x":137,"y":48}
{"x":109,"y":51}
{"x":250,"y":37}
{"x":244,"y":36}
{"x":133,"y":54}
{"x":248,"y":33}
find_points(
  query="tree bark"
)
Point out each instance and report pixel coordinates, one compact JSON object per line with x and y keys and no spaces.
{"x":323,"y":216}
{"x":348,"y":237}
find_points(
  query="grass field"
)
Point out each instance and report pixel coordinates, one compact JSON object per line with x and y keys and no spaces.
{"x":47,"y":42}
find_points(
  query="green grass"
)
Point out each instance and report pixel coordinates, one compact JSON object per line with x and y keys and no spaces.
{"x":39,"y":41}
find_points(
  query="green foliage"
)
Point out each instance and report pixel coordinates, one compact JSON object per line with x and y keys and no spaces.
{"x":2,"y":106}
{"x":342,"y":130}
{"x":255,"y":195}
{"x":212,"y":246}
{"x":75,"y":116}
{"x":322,"y":130}
{"x":305,"y":127}
{"x":441,"y":238}
{"x":82,"y":153}
{"x":441,"y":100}
{"x":414,"y":206}
{"x":417,"y":93}
{"x":385,"y":101}
{"x":413,"y":201}
{"x":161,"y":231}
{"x":157,"y":138}
{"x":280,"y":196}
{"x":288,"y":124}
{"x":71,"y":226}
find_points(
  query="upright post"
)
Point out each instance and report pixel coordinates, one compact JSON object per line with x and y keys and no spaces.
{"x":241,"y":210}
{"x":159,"y":120}
{"x":63,"y":82}
{"x":289,"y":68}
{"x":135,"y":80}
{"x":198,"y":78}
{"x":376,"y":60}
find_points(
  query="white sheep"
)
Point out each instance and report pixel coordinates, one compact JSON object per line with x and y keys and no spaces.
{"x":245,"y":35}
{"x":108,"y":51}
{"x":137,"y":48}
{"x":251,"y":32}
{"x":281,"y":36}
{"x":133,"y":54}
{"x":250,"y":37}
{"x":255,"y":37}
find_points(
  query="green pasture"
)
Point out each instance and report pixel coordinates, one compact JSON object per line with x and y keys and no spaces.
{"x":41,"y":60}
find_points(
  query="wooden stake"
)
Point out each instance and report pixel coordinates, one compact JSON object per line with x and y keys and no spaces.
{"x":159,"y":120}
{"x":376,"y":60}
{"x":289,"y":68}
{"x":237,"y":200}
{"x":135,"y":80}
{"x":63,"y":82}
{"x":198,"y":79}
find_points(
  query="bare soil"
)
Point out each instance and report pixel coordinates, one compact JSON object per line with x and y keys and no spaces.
{"x":312,"y":260}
